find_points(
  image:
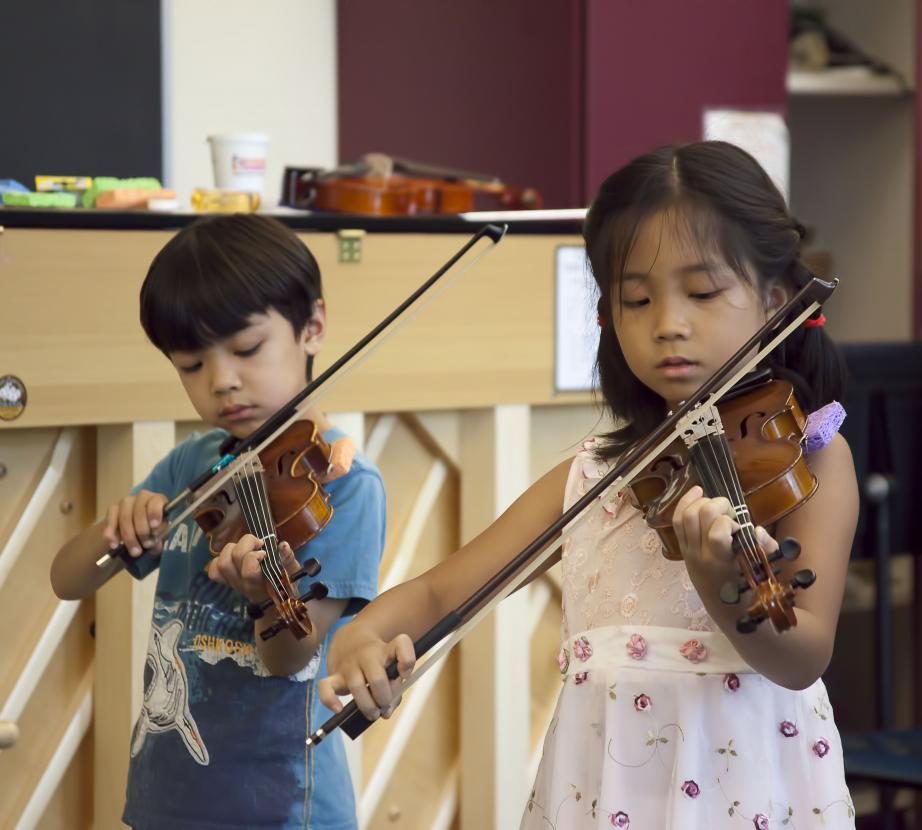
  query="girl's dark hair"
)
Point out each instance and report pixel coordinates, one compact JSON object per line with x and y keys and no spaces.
{"x":730,"y":203}
{"x":210,"y":278}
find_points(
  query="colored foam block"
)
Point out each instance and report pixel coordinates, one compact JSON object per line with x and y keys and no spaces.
{"x":122,"y":198}
{"x":44,"y":200}
{"x":103,"y":183}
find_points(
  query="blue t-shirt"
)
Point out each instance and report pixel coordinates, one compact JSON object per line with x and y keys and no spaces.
{"x":220,"y":742}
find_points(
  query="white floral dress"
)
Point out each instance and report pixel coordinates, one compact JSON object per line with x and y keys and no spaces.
{"x":660,"y":724}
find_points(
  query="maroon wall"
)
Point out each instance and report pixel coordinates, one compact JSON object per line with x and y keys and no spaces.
{"x":549,"y":93}
{"x":652,"y":67}
{"x":485,"y":85}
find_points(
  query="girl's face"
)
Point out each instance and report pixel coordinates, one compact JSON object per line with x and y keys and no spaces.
{"x":238,"y":382}
{"x":681,"y":313}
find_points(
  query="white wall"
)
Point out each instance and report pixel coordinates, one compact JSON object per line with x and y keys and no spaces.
{"x":243,"y":66}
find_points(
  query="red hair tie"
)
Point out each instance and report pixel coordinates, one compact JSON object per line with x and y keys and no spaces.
{"x":815,"y":322}
{"x":601,"y":320}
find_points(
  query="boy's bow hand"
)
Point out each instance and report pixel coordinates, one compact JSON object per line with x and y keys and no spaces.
{"x":135,"y":521}
{"x":238,"y":566}
{"x":361,"y":671}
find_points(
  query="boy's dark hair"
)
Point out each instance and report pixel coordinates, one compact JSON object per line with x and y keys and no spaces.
{"x":210,"y":278}
{"x":730,"y":203}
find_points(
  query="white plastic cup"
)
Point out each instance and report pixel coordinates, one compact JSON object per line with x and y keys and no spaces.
{"x":239,"y":161}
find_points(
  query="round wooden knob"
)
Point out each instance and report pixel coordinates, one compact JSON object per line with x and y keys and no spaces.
{"x":9,"y":734}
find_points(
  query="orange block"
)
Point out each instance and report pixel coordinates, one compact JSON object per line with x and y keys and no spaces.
{"x":120,"y":198}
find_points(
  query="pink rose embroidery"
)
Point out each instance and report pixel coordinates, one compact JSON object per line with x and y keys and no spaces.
{"x":691,"y":789}
{"x":788,"y":729}
{"x":821,"y":748}
{"x":694,"y":651}
{"x":581,"y":649}
{"x":637,"y":647}
{"x":620,"y":819}
{"x":643,"y":703}
{"x":760,"y":821}
{"x":581,"y":677}
{"x":563,"y":660}
{"x":731,"y":682}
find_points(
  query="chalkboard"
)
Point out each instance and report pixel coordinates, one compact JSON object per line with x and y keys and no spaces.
{"x":80,"y":89}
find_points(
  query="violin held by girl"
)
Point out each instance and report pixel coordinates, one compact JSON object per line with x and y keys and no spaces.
{"x":671,"y":714}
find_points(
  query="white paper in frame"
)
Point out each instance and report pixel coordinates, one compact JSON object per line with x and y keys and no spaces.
{"x":576,"y":328}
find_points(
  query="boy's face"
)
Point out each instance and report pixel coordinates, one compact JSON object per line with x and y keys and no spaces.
{"x":238,"y":382}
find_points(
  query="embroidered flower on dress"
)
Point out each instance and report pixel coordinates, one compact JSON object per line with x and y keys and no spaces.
{"x":821,"y":748}
{"x":788,"y":729}
{"x":637,"y":647}
{"x":731,"y":682}
{"x":581,"y":649}
{"x":650,"y":542}
{"x":612,"y":506}
{"x":563,"y":660}
{"x":643,"y":703}
{"x":628,"y":605}
{"x":760,"y":821}
{"x":581,"y":677}
{"x":620,"y":819}
{"x":694,"y":651}
{"x":691,"y":789}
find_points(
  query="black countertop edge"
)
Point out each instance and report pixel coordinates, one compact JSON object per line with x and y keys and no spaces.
{"x":85,"y":219}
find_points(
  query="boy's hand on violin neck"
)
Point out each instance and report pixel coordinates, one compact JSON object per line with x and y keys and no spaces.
{"x":357,"y":665}
{"x":238,"y":566}
{"x":135,"y":521}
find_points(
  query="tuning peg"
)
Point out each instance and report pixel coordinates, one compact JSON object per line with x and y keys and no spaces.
{"x":730,"y":593}
{"x":272,"y":630}
{"x":803,"y":579}
{"x":310,"y":568}
{"x":317,"y":591}
{"x":789,"y":548}
{"x":747,"y":624}
{"x":255,"y":610}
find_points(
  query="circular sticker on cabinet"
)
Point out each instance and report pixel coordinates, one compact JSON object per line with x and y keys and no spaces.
{"x":12,"y":397}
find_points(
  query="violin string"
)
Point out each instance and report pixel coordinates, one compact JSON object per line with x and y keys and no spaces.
{"x":267,"y":527}
{"x":247,"y":499}
{"x":748,"y":530}
{"x":725,"y":482}
{"x":721,"y":479}
{"x":270,"y":534}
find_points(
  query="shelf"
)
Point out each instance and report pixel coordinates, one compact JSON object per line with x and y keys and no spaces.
{"x":851,"y":80}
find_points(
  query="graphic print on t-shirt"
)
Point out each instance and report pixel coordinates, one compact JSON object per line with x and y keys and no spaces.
{"x":166,"y":694}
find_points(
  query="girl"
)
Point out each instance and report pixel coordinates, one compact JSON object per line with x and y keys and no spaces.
{"x":668,"y":718}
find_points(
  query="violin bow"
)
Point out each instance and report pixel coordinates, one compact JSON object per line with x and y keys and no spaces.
{"x":235,"y":452}
{"x":456,"y":624}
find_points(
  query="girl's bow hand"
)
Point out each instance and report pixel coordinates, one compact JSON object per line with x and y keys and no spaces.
{"x":357,"y":665}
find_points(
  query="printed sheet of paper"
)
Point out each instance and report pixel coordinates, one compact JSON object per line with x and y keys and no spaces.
{"x":764,"y":135}
{"x":576,"y":328}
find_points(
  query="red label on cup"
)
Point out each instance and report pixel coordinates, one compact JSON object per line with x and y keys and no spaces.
{"x":242,"y":164}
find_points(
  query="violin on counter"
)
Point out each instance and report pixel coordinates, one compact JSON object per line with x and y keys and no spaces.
{"x":381,"y":185}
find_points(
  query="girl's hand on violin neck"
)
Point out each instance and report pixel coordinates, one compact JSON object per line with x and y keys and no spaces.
{"x":357,"y":665}
{"x":705,"y":529}
{"x":134,"y":521}
{"x":238,"y":566}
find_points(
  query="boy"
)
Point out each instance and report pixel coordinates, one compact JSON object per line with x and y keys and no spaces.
{"x":235,"y":304}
